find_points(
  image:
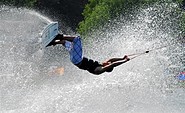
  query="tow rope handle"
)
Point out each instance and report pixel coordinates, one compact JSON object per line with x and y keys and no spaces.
{"x":132,"y":56}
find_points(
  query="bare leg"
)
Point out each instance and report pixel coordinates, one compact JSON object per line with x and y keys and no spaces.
{"x":69,"y":38}
{"x":60,"y":39}
{"x":65,"y":37}
{"x":60,"y":42}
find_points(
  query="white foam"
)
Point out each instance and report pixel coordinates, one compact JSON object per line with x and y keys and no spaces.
{"x":141,"y":85}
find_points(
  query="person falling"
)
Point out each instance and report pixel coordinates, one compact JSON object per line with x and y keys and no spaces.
{"x":74,"y":46}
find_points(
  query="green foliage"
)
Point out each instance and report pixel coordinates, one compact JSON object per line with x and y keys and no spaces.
{"x":98,"y":12}
{"x":31,"y":3}
{"x":18,"y":3}
{"x":183,"y":23}
{"x":179,"y":1}
{"x":94,"y":15}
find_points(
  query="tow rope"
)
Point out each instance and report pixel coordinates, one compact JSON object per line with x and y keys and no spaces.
{"x":135,"y":55}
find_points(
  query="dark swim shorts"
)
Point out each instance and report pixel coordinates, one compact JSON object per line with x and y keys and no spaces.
{"x":88,"y":64}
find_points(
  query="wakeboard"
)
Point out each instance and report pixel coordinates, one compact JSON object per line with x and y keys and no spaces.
{"x":49,"y":34}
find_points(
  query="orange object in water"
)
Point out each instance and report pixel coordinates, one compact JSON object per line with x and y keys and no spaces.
{"x":59,"y":71}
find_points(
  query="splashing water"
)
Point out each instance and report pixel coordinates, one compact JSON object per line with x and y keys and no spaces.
{"x":143,"y":85}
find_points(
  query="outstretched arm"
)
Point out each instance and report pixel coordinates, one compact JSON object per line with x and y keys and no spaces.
{"x":114,"y":64}
{"x":102,"y":69}
{"x":115,"y":60}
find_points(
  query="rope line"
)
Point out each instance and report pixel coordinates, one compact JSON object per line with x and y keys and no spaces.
{"x":135,"y":55}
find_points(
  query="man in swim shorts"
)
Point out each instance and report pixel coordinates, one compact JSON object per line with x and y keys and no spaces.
{"x":74,"y":46}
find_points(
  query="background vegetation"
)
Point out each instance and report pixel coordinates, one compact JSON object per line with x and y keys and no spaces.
{"x":86,"y":15}
{"x":183,"y":24}
{"x":67,"y":12}
{"x":99,"y":12}
{"x":26,"y":3}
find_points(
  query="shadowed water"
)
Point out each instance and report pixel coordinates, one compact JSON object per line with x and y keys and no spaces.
{"x":143,"y":85}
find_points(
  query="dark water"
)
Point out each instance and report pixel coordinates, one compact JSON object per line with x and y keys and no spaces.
{"x":143,"y":85}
